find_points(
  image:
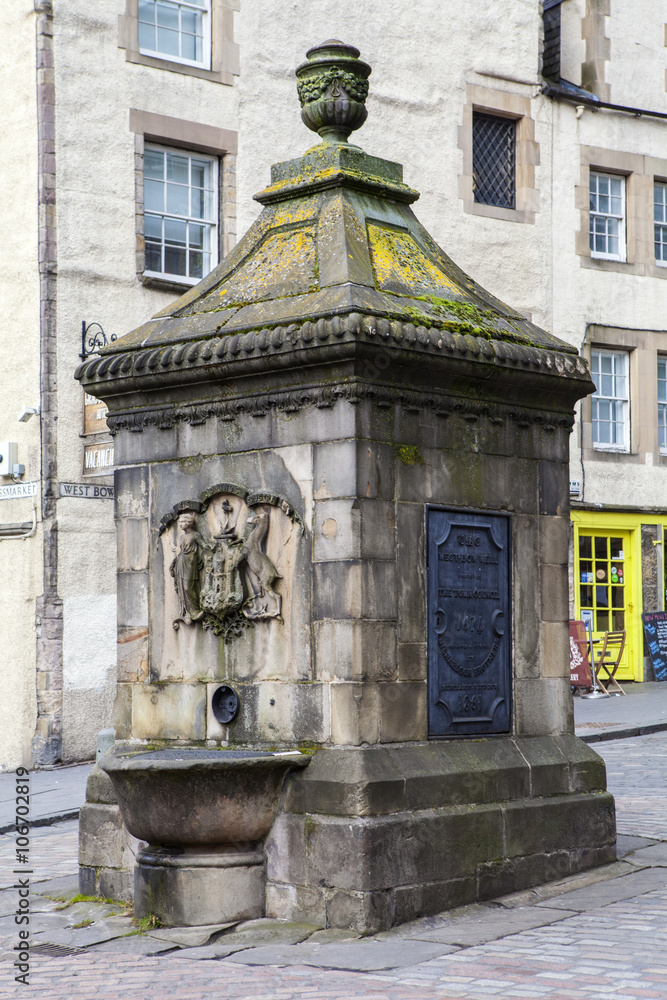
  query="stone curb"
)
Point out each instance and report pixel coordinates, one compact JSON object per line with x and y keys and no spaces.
{"x":623,"y":734}
{"x":44,"y":820}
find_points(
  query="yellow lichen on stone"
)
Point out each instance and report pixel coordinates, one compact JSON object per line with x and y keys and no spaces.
{"x":284,"y":264}
{"x":400,"y":265}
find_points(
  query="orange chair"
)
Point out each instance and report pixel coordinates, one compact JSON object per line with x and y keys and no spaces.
{"x":608,"y":659}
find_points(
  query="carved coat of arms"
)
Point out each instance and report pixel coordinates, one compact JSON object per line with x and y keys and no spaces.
{"x":222,"y":574}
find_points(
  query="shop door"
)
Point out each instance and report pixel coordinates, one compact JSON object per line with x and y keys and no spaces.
{"x":605,"y":590}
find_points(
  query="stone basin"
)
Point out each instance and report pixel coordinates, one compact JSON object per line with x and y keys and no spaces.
{"x":192,"y":797}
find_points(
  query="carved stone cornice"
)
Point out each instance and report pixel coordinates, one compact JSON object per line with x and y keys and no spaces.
{"x":194,"y":361}
{"x":324,"y":397}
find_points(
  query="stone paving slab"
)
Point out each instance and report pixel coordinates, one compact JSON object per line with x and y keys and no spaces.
{"x":190,"y":937}
{"x":611,"y":891}
{"x":133,"y":944}
{"x":355,"y":956}
{"x":487,"y":925}
{"x":82,"y":937}
{"x":655,"y":855}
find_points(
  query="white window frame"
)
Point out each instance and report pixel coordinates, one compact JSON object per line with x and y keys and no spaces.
{"x":213,"y":224}
{"x":620,"y":218}
{"x":662,"y":404}
{"x":660,"y":221}
{"x":204,"y":8}
{"x":620,"y":365}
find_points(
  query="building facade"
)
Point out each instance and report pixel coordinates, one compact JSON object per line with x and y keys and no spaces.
{"x":119,"y":145}
{"x":138,"y":132}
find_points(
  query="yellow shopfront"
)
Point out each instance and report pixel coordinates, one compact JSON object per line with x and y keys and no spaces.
{"x":608,"y":578}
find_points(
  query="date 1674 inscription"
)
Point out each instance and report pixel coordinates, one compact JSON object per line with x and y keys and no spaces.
{"x":469,"y":682}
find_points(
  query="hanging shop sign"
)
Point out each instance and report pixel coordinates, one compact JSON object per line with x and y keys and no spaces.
{"x":98,"y":458}
{"x":94,"y":415}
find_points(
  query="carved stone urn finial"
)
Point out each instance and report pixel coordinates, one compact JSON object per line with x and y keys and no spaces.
{"x":333,"y":86}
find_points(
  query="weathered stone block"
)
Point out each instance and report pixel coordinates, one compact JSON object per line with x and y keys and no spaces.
{"x":554,"y":594}
{"x":354,"y":589}
{"x":353,"y":468}
{"x":403,"y":708}
{"x":355,"y":713}
{"x":296,"y":903}
{"x":555,"y":649}
{"x":101,"y":835}
{"x":132,"y":658}
{"x":549,"y":772}
{"x":122,"y":712}
{"x":131,"y":491}
{"x":347,"y":783}
{"x":412,"y":663}
{"x":526,"y":594}
{"x":132,"y":543}
{"x":99,"y":788}
{"x":353,"y":529}
{"x":132,"y":598}
{"x":193,"y":896}
{"x":355,"y":650}
{"x":587,"y":770}
{"x":559,"y":823}
{"x":169,"y":711}
{"x":363,"y":912}
{"x":554,"y":540}
{"x":542,"y":705}
{"x":411,"y":564}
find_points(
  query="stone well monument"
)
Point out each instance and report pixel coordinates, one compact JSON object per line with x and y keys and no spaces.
{"x":342,"y":509}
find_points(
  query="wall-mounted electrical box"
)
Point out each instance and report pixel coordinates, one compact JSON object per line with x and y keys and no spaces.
{"x":8,"y":457}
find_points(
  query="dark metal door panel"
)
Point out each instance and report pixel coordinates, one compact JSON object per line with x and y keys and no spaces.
{"x":469,"y":628}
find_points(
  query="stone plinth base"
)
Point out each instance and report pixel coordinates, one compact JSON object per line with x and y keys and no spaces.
{"x":187,"y":888}
{"x":373,"y":837}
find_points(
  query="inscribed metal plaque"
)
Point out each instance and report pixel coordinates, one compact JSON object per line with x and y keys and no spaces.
{"x":469,"y":601}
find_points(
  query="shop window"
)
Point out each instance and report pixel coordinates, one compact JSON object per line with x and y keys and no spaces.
{"x":180,"y":209}
{"x":662,"y":404}
{"x":660,"y":222}
{"x":607,"y":216}
{"x":610,"y":402}
{"x":602,"y":582}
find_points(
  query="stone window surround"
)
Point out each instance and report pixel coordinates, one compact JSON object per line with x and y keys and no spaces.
{"x":224,"y":51}
{"x":193,"y":137}
{"x":508,"y":105}
{"x":640,"y":173}
{"x":643,"y":347}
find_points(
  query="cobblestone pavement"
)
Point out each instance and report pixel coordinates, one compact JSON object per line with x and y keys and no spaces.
{"x":601,"y":935}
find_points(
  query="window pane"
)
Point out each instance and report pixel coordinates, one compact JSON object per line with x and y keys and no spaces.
{"x":153,"y":163}
{"x":493,"y":155}
{"x":175,"y":261}
{"x":147,"y":11}
{"x":146,"y":36}
{"x":154,"y":195}
{"x":153,"y":257}
{"x":175,"y":231}
{"x":585,"y":543}
{"x":177,"y":168}
{"x":196,"y":264}
{"x":167,"y":42}
{"x":197,"y":237}
{"x":153,"y":227}
{"x":167,"y":15}
{"x":177,"y":199}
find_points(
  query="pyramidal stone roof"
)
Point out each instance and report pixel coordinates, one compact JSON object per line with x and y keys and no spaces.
{"x":337,"y":261}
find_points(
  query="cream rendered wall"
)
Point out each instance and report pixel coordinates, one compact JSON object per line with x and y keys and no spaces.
{"x":19,"y":363}
{"x":423,"y":56}
{"x":97,"y":281}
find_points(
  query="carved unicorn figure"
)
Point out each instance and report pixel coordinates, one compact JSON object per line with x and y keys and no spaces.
{"x":260,"y":571}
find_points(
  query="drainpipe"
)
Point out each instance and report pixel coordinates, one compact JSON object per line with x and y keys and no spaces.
{"x":47,"y":741}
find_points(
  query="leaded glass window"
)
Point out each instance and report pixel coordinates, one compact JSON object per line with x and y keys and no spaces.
{"x":493,"y":160}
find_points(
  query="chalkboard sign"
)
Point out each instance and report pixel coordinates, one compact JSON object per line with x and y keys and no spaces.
{"x":469,"y":601}
{"x":655,"y":630}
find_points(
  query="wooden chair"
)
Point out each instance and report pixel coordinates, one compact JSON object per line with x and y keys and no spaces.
{"x":581,"y":678}
{"x":608,"y":659}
